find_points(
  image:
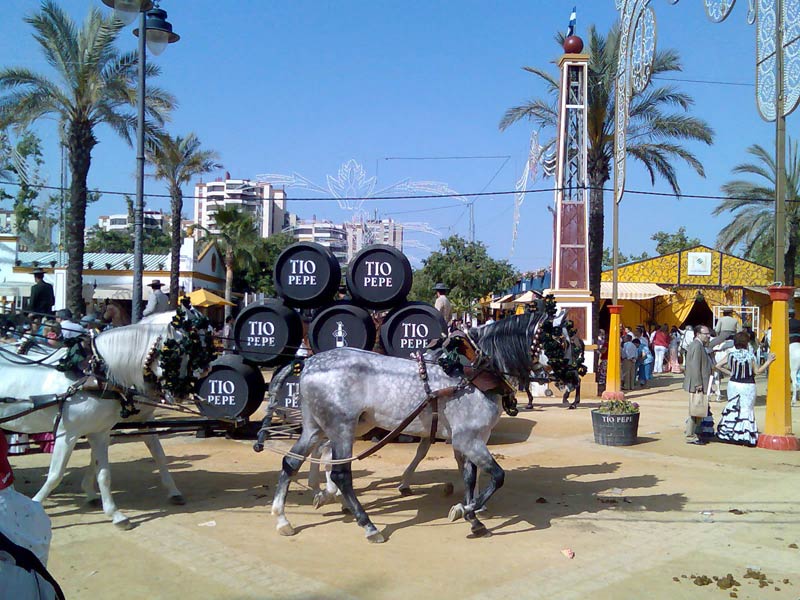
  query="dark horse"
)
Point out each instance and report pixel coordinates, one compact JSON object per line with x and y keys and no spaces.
{"x":346,"y":391}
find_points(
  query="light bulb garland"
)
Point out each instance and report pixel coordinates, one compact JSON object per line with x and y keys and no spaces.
{"x":553,"y":347}
{"x":193,"y":350}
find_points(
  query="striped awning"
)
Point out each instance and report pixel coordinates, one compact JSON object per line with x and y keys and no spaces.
{"x":527,"y":298}
{"x":633,"y":291}
{"x":502,"y":303}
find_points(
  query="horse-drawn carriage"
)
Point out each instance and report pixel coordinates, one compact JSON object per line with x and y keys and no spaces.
{"x":452,"y":394}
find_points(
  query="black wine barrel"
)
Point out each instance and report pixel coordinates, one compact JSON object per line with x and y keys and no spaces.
{"x":307,"y":275}
{"x":410,"y":328}
{"x":232,"y":389}
{"x":287,"y":394}
{"x":379,"y":276}
{"x":267,"y":333}
{"x":342,"y":325}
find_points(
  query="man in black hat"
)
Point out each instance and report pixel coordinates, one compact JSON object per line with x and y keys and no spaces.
{"x":158,"y":301}
{"x":794,"y":326}
{"x":442,"y":304}
{"x":42,"y":296}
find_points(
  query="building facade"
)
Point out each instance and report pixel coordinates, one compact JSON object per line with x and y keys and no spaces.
{"x":154,"y":220}
{"x":264,"y":203}
{"x":375,"y":231}
{"x":324,"y":233}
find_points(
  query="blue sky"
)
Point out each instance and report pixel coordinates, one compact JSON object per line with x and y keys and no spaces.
{"x":301,"y":87}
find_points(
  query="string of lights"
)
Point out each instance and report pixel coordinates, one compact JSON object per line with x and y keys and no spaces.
{"x":440,"y":196}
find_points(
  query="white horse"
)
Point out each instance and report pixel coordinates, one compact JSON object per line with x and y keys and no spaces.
{"x":93,"y":414}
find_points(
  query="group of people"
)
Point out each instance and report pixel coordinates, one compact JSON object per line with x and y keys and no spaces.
{"x":645,"y":354}
{"x":737,"y":422}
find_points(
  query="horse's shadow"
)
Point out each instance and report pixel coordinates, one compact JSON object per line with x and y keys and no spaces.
{"x":520,"y":506}
{"x":138,"y":491}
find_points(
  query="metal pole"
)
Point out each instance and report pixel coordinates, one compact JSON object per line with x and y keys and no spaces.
{"x":138,"y":208}
{"x":780,"y":154}
{"x":615,"y":252}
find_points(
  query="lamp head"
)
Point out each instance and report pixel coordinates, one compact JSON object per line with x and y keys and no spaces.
{"x":126,"y":10}
{"x":159,"y":31}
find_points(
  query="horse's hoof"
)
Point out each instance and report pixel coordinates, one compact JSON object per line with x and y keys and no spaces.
{"x":286,"y":529}
{"x":320,"y":499}
{"x":94,"y":502}
{"x":405,"y":490}
{"x":177,"y":500}
{"x":479,"y":531}
{"x":375,"y":538}
{"x":456,"y":513}
{"x":124,"y":525}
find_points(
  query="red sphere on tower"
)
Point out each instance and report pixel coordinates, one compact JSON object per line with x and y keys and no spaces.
{"x":573,"y":45}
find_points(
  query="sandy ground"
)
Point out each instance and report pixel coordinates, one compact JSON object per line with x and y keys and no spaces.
{"x":636,"y":517}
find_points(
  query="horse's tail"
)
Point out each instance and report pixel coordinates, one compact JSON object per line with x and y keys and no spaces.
{"x":275,"y":384}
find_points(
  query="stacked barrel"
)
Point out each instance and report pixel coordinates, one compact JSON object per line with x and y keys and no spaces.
{"x":308,"y":280}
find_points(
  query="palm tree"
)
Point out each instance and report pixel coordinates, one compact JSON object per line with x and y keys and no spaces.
{"x":752,"y":207}
{"x":238,"y":239}
{"x":94,"y":85}
{"x":654,"y":134}
{"x":176,"y":161}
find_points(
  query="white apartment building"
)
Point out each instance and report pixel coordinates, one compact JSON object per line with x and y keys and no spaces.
{"x":266,"y":204}
{"x":347,"y":239}
{"x":154,"y":220}
{"x":374,"y":231}
{"x":324,"y":233}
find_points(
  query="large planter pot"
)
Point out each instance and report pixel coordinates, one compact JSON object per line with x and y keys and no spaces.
{"x":615,"y":430}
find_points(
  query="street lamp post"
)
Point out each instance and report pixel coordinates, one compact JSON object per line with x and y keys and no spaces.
{"x":155,"y":32}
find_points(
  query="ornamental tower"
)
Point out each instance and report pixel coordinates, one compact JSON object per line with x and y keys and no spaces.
{"x":571,"y":236}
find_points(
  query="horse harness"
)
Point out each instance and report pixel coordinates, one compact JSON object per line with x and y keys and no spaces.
{"x":475,"y":375}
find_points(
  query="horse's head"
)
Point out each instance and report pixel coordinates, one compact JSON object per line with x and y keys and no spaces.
{"x":559,"y":347}
{"x":161,"y":356}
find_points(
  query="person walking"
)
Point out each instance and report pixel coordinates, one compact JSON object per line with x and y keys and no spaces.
{"x":42,"y":296}
{"x":442,"y":304}
{"x":158,"y":301}
{"x":644,"y":363}
{"x":674,"y":350}
{"x":661,"y":341}
{"x":601,"y":373}
{"x":629,"y":355}
{"x":696,"y":378}
{"x":737,"y":424}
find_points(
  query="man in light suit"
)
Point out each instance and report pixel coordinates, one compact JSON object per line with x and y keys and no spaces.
{"x":696,"y":377}
{"x":158,"y":301}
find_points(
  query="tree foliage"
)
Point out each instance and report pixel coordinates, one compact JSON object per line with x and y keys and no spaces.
{"x":667,"y":243}
{"x":237,"y":238}
{"x":466,"y":268}
{"x":260,"y":276}
{"x":751,"y":206}
{"x":177,"y":160}
{"x":21,"y":160}
{"x":93,"y":84}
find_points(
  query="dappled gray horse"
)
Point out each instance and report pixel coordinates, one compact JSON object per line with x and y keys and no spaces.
{"x":345,"y":390}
